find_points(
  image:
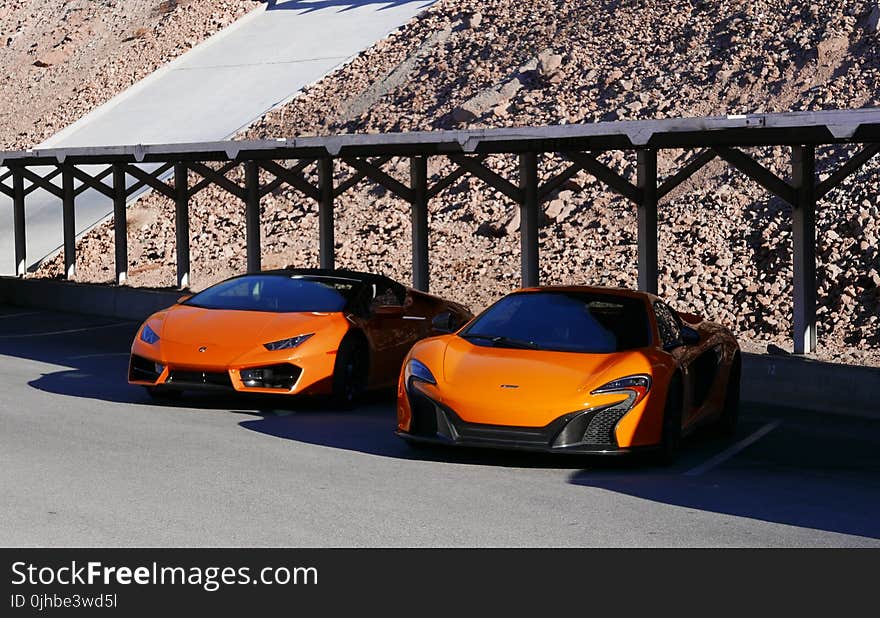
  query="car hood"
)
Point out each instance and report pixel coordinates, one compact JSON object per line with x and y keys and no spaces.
{"x":226,"y":335}
{"x":503,"y":386}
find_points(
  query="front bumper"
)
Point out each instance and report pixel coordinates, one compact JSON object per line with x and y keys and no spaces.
{"x":582,"y":432}
{"x":278,"y":378}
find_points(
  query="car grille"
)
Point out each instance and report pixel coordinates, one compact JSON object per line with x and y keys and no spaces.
{"x":600,"y":431}
{"x":181,"y":377}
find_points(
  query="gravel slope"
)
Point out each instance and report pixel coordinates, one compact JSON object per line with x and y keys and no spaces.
{"x":61,"y":59}
{"x":725,"y":245}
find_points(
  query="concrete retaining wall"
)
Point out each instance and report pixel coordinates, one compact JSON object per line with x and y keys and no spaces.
{"x":106,"y":300}
{"x":798,"y":382}
{"x":771,"y":380}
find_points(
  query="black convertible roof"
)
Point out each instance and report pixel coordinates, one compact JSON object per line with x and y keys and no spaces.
{"x":334,"y":272}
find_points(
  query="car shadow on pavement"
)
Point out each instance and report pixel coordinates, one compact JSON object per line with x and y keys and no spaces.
{"x":808,"y":473}
{"x":369,"y":429}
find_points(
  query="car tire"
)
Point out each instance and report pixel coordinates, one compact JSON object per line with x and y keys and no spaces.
{"x":671,"y":442}
{"x":163,"y":394}
{"x":350,"y":373}
{"x":729,"y":418}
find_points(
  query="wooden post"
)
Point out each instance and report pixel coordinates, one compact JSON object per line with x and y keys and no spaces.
{"x":252,"y":216}
{"x":68,"y":214}
{"x":528,"y":230}
{"x":418,"y":172}
{"x":647,"y":214}
{"x":326,"y":231}
{"x":804,"y":254}
{"x":120,"y":223}
{"x":181,"y":222}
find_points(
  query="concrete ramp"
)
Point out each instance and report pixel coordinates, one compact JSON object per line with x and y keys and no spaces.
{"x":210,"y":93}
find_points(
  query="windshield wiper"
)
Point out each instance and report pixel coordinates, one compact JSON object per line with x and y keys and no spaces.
{"x":504,"y":342}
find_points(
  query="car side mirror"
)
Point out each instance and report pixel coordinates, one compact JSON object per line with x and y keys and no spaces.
{"x":690,"y":336}
{"x":442,"y":323}
{"x":388,"y":311}
{"x":184,"y":298}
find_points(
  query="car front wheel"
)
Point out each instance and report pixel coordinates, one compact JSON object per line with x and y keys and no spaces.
{"x":350,"y":372}
{"x":671,"y":442}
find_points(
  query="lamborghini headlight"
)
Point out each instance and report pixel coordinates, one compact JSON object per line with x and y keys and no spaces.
{"x":417,"y":370}
{"x":148,"y":335}
{"x":286,"y":344}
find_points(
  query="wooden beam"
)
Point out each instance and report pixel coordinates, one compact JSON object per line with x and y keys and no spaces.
{"x":42,"y":182}
{"x":494,"y":180}
{"x":849,"y":168}
{"x":278,"y":181}
{"x":150,"y":179}
{"x":94,"y":182}
{"x":757,"y":172}
{"x":292,"y":176}
{"x":217,"y":178}
{"x":606,"y":175}
{"x":357,"y":177}
{"x":450,"y":179}
{"x":206,"y":182}
{"x":557,"y":181}
{"x":691,"y":167}
{"x":380,"y":177}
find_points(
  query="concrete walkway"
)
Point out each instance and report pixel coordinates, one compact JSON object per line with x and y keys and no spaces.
{"x":210,"y":93}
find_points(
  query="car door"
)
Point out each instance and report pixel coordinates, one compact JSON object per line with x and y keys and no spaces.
{"x":389,"y":331}
{"x":670,"y":328}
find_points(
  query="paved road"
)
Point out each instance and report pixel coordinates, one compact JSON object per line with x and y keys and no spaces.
{"x":87,"y":460}
{"x":212,"y":92}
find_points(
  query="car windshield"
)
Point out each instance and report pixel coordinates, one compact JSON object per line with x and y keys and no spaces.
{"x":563,"y":322}
{"x":278,"y":294}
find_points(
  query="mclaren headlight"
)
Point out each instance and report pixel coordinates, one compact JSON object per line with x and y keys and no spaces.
{"x":148,"y":335}
{"x":287,"y":344}
{"x":635,"y":387}
{"x":417,"y":370}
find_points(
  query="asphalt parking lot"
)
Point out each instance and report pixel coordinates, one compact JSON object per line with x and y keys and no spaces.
{"x":88,"y":460}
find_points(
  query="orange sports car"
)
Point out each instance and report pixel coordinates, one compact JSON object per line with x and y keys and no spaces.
{"x":571,"y":370}
{"x":288,"y":332}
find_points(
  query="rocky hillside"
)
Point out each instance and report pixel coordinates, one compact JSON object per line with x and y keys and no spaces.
{"x":725,"y":245}
{"x":62,"y":58}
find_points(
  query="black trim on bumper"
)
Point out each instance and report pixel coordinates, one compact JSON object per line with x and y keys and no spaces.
{"x":435,"y":423}
{"x":198,"y":380}
{"x":513,"y":446}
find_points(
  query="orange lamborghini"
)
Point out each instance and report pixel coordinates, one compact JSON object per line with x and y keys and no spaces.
{"x":571,"y":370}
{"x":288,"y":332}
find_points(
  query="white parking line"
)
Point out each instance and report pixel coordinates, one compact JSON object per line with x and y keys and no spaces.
{"x":81,"y":356}
{"x":743,"y":444}
{"x":65,"y":332}
{"x":20,"y":315}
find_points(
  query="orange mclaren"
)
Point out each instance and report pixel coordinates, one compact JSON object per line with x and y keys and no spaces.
{"x":288,"y":332}
{"x":571,"y":370}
